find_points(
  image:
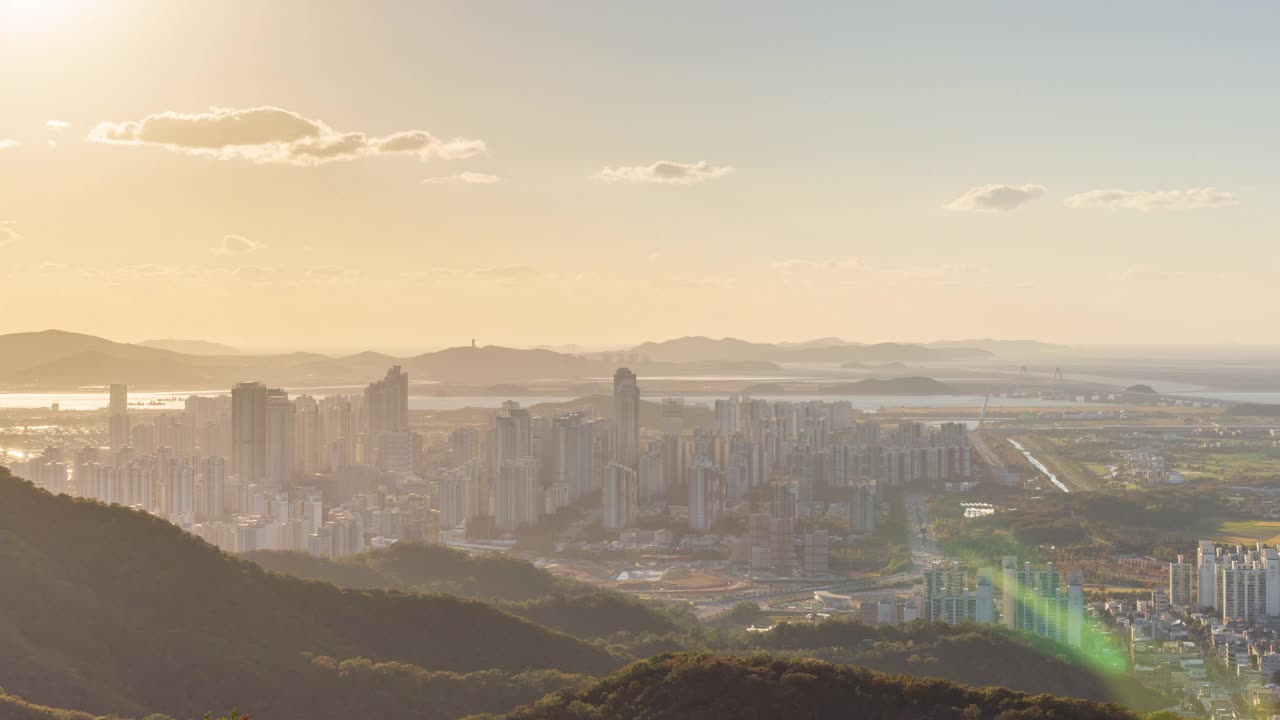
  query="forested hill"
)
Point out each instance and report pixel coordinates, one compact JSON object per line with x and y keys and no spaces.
{"x":510,"y":583}
{"x":693,"y":686}
{"x":108,"y":610}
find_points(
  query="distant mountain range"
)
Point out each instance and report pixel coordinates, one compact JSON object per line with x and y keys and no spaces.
{"x":825,"y":350}
{"x":60,"y":359}
{"x":191,"y":347}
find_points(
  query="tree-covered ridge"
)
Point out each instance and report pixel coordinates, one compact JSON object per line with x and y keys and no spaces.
{"x":108,"y":610}
{"x":514,"y":585}
{"x":698,"y":686}
{"x":15,"y":708}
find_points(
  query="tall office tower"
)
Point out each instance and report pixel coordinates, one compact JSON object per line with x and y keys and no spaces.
{"x":814,"y":559}
{"x":864,"y":509}
{"x":386,"y":404}
{"x":280,"y":440}
{"x":1206,"y":575}
{"x":518,"y":493}
{"x":706,"y":496}
{"x":985,"y":597}
{"x":398,"y":452}
{"x":249,"y":432}
{"x":1075,"y":609}
{"x":626,"y":412}
{"x":619,"y":498}
{"x":1180,"y":574}
{"x":652,"y":478}
{"x":213,"y":488}
{"x":118,"y":416}
{"x":726,"y":414}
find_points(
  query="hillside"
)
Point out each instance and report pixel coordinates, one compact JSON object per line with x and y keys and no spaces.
{"x":191,"y":347}
{"x":13,"y":707}
{"x":697,"y":685}
{"x":515,"y":585}
{"x":109,"y":610}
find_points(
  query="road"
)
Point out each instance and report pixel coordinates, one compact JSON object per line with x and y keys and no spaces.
{"x":924,"y":548}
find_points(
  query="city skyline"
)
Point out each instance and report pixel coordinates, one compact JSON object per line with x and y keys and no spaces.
{"x":765,"y":159}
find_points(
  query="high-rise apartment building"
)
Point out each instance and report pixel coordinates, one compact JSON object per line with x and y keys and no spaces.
{"x":118,"y":416}
{"x":619,"y":497}
{"x":386,"y":404}
{"x":1035,"y":601}
{"x":626,"y":412}
{"x":280,"y":439}
{"x":1180,"y":588}
{"x":249,"y":432}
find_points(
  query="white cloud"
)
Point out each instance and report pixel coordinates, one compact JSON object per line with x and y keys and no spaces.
{"x":236,"y":245}
{"x":464,"y":178}
{"x":1190,"y":199}
{"x":273,"y":135}
{"x":666,"y":172}
{"x":986,"y":198}
{"x":57,"y":125}
{"x":8,"y":143}
{"x":8,"y":235}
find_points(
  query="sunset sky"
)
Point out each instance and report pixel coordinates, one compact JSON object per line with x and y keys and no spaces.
{"x":397,"y":175}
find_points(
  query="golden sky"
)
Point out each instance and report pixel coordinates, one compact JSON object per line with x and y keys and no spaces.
{"x":399,"y":175}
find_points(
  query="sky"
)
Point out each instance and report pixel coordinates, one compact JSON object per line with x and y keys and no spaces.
{"x":331,"y":174}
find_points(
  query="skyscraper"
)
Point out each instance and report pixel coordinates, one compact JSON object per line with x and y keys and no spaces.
{"x":118,"y":417}
{"x":626,"y":411}
{"x":619,"y":497}
{"x":386,"y":404}
{"x":249,"y":432}
{"x":280,"y":439}
{"x":706,"y":496}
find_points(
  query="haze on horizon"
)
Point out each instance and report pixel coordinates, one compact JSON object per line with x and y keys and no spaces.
{"x":603,"y":174}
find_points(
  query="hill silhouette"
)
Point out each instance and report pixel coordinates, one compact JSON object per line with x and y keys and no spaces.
{"x":705,"y":349}
{"x":109,"y":610}
{"x":692,"y":686}
{"x":191,"y":347}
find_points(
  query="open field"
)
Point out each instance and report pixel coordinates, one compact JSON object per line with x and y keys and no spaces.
{"x":1248,"y":532}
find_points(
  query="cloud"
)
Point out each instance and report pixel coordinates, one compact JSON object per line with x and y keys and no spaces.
{"x":1147,"y":201}
{"x":667,"y":172}
{"x":57,"y":125}
{"x":8,"y":143}
{"x":8,"y":235}
{"x":464,"y":178}
{"x":236,"y":245}
{"x":273,"y":135}
{"x":508,"y":273}
{"x":987,"y":198}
